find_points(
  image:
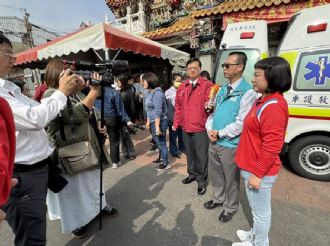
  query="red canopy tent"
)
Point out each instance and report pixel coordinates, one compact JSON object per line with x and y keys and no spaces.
{"x":99,"y":37}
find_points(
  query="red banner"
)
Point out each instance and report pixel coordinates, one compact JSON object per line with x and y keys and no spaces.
{"x":273,"y":14}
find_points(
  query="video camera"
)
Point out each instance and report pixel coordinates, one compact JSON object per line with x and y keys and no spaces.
{"x":108,"y":69}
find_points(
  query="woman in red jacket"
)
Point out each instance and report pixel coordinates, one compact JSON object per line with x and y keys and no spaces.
{"x":7,"y":152}
{"x":260,"y":144}
{"x":7,"y":149}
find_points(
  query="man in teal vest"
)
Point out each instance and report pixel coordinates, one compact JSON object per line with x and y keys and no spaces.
{"x":232,"y":104}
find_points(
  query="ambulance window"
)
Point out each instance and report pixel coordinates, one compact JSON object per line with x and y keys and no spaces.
{"x":313,"y":71}
{"x":252,"y":55}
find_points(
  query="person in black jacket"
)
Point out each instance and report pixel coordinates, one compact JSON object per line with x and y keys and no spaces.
{"x":128,"y":98}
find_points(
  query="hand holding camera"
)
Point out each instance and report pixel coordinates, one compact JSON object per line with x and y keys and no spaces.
{"x":68,"y":82}
{"x":94,"y":83}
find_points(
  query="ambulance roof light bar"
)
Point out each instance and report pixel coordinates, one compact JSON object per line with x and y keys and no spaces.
{"x":317,"y":28}
{"x":247,"y":35}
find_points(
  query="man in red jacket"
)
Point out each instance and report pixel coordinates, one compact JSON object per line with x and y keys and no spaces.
{"x":191,"y":115}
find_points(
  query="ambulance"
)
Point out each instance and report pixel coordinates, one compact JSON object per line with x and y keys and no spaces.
{"x":306,"y":46}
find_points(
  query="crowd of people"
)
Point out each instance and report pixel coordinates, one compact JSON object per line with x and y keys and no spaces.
{"x":60,"y":140}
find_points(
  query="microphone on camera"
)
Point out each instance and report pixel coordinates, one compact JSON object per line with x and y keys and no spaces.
{"x":80,"y":64}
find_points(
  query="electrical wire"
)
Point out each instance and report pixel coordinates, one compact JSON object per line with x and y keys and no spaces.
{"x":10,"y":7}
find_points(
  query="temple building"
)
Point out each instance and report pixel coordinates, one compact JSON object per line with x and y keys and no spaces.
{"x":197,"y":26}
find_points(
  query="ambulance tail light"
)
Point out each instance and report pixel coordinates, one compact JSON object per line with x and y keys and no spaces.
{"x":247,"y":35}
{"x":317,"y":28}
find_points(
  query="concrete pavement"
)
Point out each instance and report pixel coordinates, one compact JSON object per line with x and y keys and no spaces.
{"x":155,"y":208}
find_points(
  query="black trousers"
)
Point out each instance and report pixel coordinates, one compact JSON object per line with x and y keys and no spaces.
{"x":127,"y":145}
{"x":196,"y":146}
{"x":113,"y":127}
{"x":26,"y":207}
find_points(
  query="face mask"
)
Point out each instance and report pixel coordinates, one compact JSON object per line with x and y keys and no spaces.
{"x":131,"y":82}
{"x":177,"y":84}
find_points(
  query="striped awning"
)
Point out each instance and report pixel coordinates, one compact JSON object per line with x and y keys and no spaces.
{"x":99,"y":37}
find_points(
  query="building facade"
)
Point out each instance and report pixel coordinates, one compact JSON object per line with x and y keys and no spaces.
{"x":24,"y":35}
{"x":197,"y":26}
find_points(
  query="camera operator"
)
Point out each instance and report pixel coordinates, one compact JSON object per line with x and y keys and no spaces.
{"x":26,"y":207}
{"x":76,"y":124}
{"x":115,"y":116}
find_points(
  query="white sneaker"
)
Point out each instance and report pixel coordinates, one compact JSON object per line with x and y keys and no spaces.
{"x":114,"y":165}
{"x":244,"y":235}
{"x":242,"y":244}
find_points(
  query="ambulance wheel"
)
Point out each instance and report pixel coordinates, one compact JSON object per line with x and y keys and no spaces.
{"x":310,"y":157}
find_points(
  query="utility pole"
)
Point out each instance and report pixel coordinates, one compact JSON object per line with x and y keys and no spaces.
{"x":28,"y":27}
{"x":30,"y":42}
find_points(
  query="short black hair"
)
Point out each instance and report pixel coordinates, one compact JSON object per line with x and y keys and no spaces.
{"x":277,"y":73}
{"x":241,"y":57}
{"x":123,"y":78}
{"x":191,"y":60}
{"x":4,"y":39}
{"x":206,"y":74}
{"x":20,"y":83}
{"x":174,"y":75}
{"x":151,"y":79}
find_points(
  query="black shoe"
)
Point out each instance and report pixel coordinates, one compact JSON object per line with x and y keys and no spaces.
{"x":225,"y":216}
{"x":80,"y":232}
{"x":211,"y":204}
{"x":176,"y":156}
{"x":153,"y":148}
{"x":201,"y":189}
{"x":157,"y":161}
{"x":132,"y":157}
{"x":126,"y":157}
{"x":162,"y":166}
{"x":141,"y":127}
{"x":109,"y":211}
{"x":188,"y":180}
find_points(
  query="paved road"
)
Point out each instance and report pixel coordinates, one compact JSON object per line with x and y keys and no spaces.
{"x":156,"y":209}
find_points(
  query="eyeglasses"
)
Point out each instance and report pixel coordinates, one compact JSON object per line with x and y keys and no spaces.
{"x":10,"y":55}
{"x":192,"y":68}
{"x":227,"y":65}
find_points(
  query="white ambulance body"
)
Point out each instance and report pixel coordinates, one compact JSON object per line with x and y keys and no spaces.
{"x":306,"y":46}
{"x":249,"y":37}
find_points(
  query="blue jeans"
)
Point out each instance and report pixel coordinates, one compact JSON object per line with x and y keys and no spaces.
{"x":161,"y":140}
{"x":260,"y":203}
{"x":176,"y":136}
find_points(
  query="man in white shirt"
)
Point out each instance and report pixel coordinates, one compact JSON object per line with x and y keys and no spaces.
{"x":26,"y":207}
{"x":232,"y":103}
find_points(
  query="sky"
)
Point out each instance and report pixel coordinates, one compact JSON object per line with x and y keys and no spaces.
{"x":62,"y":16}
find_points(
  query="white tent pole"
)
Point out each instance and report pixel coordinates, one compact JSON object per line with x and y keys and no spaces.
{"x":100,"y":57}
{"x":107,"y":56}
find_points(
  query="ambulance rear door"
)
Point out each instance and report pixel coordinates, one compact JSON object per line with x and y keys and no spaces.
{"x":249,"y":37}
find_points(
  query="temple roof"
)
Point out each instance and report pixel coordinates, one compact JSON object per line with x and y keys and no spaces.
{"x":183,"y":24}
{"x":116,"y":3}
{"x":229,"y":6}
{"x":226,"y":7}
